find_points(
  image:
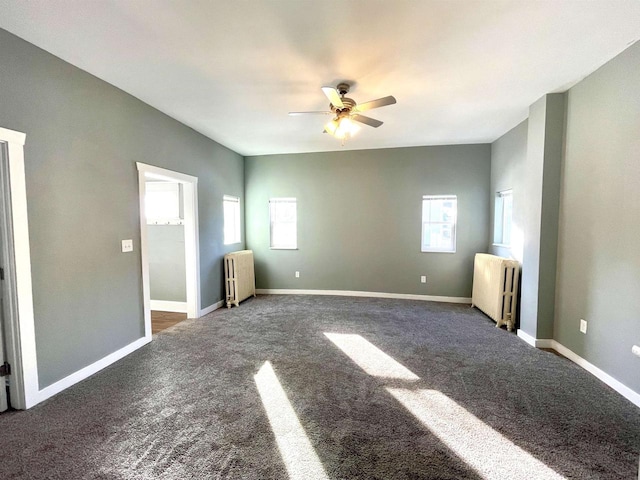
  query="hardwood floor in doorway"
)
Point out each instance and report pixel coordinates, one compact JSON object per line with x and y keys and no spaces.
{"x":163,"y":320}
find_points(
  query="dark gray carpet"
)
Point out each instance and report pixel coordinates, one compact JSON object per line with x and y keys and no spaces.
{"x":186,"y":406}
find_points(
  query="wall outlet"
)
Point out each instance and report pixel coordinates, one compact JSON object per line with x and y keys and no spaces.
{"x":127,"y":246}
{"x":583,"y":325}
{"x":423,"y":279}
{"x":297,"y":274}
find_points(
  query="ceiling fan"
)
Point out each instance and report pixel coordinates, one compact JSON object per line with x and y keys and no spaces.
{"x":346,"y":111}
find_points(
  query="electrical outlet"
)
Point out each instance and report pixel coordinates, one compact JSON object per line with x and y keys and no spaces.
{"x":423,"y":279}
{"x":583,"y":325}
{"x":127,"y":245}
{"x":297,"y":274}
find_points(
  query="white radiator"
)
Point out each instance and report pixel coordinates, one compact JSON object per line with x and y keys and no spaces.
{"x":240,"y":280}
{"x":495,"y":288}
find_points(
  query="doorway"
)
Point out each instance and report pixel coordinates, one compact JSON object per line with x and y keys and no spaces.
{"x":183,"y":214}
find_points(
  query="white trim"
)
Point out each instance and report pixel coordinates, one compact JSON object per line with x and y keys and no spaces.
{"x":353,"y":293}
{"x":11,"y":136}
{"x":159,"y":173}
{"x":168,"y":306}
{"x":192,"y":247}
{"x":629,"y":394}
{"x":144,"y":255}
{"x":211,"y":308}
{"x":191,"y":234}
{"x":526,"y":337}
{"x":22,"y":328}
{"x":89,"y":370}
{"x":536,"y":342}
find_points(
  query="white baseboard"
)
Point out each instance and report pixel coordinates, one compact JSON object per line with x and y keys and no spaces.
{"x":353,"y":293}
{"x":211,"y":308}
{"x":87,"y":371}
{"x":626,"y":392}
{"x":168,"y":306}
{"x":526,"y":337}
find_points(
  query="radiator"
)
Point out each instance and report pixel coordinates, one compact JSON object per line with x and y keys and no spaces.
{"x":240,"y":280}
{"x":495,"y":288}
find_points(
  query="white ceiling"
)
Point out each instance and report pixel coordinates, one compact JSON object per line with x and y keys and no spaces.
{"x":463,"y":71}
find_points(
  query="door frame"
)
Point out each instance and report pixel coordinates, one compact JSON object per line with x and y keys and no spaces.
{"x":191,"y":244}
{"x":19,"y":326}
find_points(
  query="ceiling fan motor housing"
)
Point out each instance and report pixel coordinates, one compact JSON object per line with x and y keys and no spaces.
{"x":348,"y":104}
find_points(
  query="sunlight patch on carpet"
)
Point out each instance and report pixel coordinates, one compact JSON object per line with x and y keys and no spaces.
{"x":369,"y":357}
{"x":490,"y":454}
{"x":299,"y":457}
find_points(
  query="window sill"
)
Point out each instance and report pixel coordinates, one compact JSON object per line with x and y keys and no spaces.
{"x":501,"y":245}
{"x":283,"y":248}
{"x":437,"y":251}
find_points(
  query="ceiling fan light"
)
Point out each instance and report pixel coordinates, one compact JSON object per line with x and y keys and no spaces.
{"x":346,"y":128}
{"x":331,"y":127}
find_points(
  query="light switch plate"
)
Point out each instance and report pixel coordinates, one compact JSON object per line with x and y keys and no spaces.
{"x":583,"y":325}
{"x":127,"y":246}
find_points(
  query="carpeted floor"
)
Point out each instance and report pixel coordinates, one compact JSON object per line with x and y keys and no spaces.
{"x":187,"y":405}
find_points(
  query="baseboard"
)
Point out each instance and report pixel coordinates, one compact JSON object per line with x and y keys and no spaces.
{"x":211,"y":308}
{"x":353,"y":293}
{"x":87,"y":371}
{"x":168,"y":306}
{"x":526,"y":337}
{"x":626,"y":392}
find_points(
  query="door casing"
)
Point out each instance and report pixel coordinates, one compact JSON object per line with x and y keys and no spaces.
{"x":19,"y":327}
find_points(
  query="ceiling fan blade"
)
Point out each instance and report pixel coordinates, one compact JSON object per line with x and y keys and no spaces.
{"x":372,"y":122}
{"x":333,"y":96}
{"x":380,"y":102}
{"x":310,"y":113}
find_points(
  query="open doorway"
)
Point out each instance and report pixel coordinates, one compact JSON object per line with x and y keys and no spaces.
{"x":164,"y":208}
{"x":169,"y":247}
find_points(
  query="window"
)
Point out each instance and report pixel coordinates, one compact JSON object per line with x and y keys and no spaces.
{"x":439,"y":214}
{"x":502,"y":219}
{"x":162,"y":203}
{"x":231,"y":207}
{"x":283,"y":217}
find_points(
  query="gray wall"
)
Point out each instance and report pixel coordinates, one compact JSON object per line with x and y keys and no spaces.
{"x":540,"y":214}
{"x":599,"y":237}
{"x":83,"y":139}
{"x":508,"y":158}
{"x":167,"y":273}
{"x":359,"y":218}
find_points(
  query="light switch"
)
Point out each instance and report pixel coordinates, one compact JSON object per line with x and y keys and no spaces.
{"x":127,"y":245}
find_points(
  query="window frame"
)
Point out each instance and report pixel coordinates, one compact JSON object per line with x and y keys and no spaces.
{"x":273,"y":202}
{"x":499,"y":218}
{"x":237,"y":227}
{"x":453,"y":223}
